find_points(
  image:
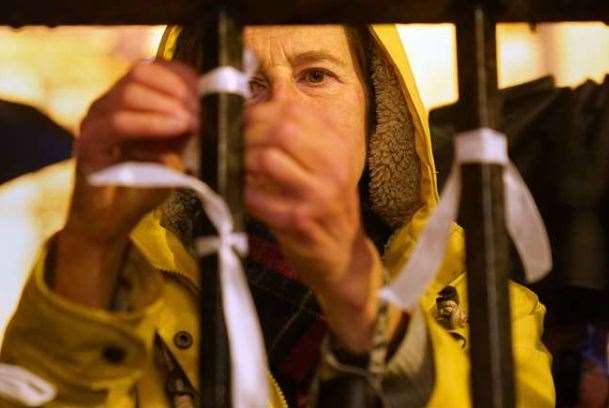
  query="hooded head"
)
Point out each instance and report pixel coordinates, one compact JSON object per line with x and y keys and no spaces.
{"x":397,"y":178}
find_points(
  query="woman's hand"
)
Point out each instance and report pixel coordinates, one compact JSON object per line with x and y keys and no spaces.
{"x":301,"y":183}
{"x":148,"y":115}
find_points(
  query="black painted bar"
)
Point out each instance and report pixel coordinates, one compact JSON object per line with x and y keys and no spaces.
{"x":111,"y":12}
{"x":482,"y":217}
{"x":221,"y":166}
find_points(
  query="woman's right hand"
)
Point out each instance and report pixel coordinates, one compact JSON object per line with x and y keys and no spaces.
{"x":148,"y":115}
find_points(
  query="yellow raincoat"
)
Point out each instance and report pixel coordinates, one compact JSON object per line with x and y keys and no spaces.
{"x":68,"y":343}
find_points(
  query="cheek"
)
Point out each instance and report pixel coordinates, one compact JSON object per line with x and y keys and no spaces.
{"x":346,"y":110}
{"x":349,"y":115}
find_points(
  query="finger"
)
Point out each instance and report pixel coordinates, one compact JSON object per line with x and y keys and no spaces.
{"x":324,"y":201}
{"x":289,"y":221}
{"x":301,"y":143}
{"x":308,"y":139}
{"x":169,"y":157}
{"x":145,"y":125}
{"x":138,"y":97}
{"x":276,"y":211}
{"x":172,"y":78}
{"x":274,"y":166}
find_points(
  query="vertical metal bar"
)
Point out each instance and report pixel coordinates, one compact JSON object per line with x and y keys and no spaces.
{"x":482,"y":216}
{"x":221,"y":167}
{"x":477,"y":58}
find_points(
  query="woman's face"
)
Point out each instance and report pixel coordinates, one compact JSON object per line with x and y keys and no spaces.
{"x":313,"y":66}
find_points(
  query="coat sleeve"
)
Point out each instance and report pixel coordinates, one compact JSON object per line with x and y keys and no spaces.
{"x":92,"y":356}
{"x":431,"y":367}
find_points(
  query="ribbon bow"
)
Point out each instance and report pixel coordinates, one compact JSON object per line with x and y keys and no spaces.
{"x":248,"y":356}
{"x":524,"y":223}
{"x":247,"y":352}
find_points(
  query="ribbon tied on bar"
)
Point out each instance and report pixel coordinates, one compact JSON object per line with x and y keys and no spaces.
{"x":523,"y":221}
{"x":247,"y":353}
{"x":229,"y":79}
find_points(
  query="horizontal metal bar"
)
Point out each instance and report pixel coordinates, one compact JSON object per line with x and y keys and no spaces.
{"x":112,"y":12}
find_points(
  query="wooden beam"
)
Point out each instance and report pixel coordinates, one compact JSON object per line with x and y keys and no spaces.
{"x":151,"y":12}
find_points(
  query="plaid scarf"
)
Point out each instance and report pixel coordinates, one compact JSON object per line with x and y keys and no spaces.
{"x":290,"y":317}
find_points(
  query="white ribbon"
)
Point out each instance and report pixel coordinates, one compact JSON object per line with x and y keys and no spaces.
{"x":248,"y":357}
{"x":18,"y":384}
{"x":230,"y":79}
{"x":523,"y":221}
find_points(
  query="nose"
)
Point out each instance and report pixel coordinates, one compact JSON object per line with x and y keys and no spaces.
{"x":284,"y":90}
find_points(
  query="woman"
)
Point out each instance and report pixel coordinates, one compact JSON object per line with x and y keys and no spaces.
{"x":338,"y":160}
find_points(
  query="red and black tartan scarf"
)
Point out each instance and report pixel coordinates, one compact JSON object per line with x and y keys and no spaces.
{"x":291,"y":320}
{"x":289,"y":315}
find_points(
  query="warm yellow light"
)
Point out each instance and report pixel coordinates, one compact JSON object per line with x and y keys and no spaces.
{"x":154,"y":39}
{"x":432,"y":53}
{"x":520,"y":56}
{"x":578,"y":51}
{"x":20,"y":82}
{"x":571,"y":52}
{"x":61,"y":71}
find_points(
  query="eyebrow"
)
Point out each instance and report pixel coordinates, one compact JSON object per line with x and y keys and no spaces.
{"x":317,"y":56}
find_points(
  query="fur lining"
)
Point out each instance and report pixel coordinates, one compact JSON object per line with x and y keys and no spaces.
{"x":392,"y":159}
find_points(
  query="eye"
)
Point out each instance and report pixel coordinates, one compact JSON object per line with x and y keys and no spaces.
{"x":316,"y":76}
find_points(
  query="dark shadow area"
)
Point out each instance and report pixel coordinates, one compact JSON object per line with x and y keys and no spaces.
{"x":559,"y":140}
{"x":29,"y":140}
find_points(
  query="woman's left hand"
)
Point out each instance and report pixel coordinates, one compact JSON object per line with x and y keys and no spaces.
{"x":302,"y":182}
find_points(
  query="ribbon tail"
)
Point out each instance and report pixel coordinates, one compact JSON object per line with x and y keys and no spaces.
{"x":526,"y":227}
{"x":20,"y":385}
{"x":247,"y":352}
{"x":248,"y":356}
{"x":154,"y":175}
{"x":428,"y":253}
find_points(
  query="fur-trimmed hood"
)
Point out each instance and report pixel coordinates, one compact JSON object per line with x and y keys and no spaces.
{"x":400,"y":180}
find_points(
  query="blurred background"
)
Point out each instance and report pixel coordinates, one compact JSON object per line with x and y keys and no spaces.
{"x":557,"y":127}
{"x":61,"y":70}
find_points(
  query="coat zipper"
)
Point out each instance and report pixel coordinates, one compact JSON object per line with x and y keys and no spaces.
{"x":284,"y":402}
